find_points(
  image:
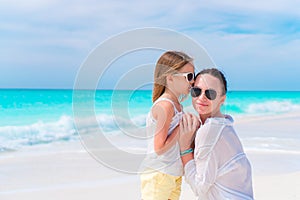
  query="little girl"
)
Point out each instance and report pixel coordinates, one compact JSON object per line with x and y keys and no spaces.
{"x":173,"y":77}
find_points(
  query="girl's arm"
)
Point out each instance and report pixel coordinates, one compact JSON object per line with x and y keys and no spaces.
{"x":163,"y":112}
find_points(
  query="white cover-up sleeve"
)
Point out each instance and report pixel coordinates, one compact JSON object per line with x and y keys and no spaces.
{"x":201,"y":176}
{"x":201,"y":172}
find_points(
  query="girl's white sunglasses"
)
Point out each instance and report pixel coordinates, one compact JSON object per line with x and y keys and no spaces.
{"x":189,"y":76}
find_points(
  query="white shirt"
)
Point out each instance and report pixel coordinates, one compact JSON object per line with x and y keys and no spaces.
{"x":169,"y":162}
{"x":220,"y":169}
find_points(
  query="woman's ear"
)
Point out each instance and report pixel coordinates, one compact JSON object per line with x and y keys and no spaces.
{"x":222,"y":100}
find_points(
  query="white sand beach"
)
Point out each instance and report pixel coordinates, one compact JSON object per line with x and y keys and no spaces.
{"x":66,"y":171}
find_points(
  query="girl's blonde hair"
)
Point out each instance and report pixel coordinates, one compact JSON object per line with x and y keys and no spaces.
{"x":167,"y":64}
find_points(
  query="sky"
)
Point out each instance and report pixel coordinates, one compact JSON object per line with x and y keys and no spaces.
{"x":43,"y":43}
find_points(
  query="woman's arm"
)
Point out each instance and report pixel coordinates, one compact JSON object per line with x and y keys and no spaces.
{"x":200,"y":174}
{"x":188,"y":127}
{"x":200,"y":168}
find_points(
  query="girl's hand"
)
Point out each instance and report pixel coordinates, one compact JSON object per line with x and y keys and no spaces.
{"x":188,"y":127}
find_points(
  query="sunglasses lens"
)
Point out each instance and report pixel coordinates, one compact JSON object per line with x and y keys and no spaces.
{"x":190,"y":76}
{"x":211,"y":94}
{"x":195,"y":92}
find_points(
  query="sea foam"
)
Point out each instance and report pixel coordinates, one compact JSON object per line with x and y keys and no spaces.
{"x":272,"y":107}
{"x":64,"y":129}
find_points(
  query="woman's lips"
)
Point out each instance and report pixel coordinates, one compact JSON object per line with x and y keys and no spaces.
{"x":202,"y":104}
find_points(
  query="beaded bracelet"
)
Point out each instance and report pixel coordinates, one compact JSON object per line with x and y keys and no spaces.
{"x":190,"y":150}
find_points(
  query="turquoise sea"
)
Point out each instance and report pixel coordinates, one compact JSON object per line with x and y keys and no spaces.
{"x":34,"y":117}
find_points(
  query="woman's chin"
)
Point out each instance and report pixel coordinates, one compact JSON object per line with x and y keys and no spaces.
{"x":202,"y":111}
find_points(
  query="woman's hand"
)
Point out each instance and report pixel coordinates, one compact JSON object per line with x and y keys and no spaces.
{"x":188,"y":127}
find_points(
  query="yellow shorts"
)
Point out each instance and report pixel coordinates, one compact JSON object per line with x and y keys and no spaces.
{"x":160,"y":186}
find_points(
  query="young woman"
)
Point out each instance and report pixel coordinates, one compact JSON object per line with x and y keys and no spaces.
{"x":219,"y":168}
{"x":173,"y":76}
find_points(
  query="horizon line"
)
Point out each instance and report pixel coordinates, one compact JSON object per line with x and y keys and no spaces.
{"x":108,"y":89}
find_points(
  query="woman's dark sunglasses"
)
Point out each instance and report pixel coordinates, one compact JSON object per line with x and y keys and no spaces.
{"x":189,"y":76}
{"x":210,"y":93}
